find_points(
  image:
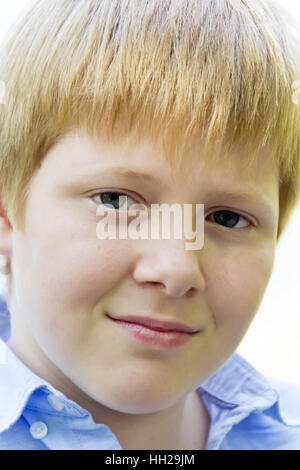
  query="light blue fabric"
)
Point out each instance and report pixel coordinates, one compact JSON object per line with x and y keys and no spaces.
{"x":248,"y":411}
{"x":4,"y":320}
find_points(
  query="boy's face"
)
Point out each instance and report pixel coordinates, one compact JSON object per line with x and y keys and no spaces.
{"x":66,"y":280}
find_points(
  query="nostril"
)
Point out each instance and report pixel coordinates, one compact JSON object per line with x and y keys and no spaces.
{"x":192,"y":291}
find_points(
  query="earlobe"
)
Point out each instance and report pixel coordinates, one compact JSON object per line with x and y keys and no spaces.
{"x":5,"y":233}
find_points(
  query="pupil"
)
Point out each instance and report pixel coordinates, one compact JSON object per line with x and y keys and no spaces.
{"x":110,"y":199}
{"x":226,"y":217}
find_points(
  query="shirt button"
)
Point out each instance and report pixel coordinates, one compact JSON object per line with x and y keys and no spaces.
{"x":55,"y":402}
{"x":38,"y":430}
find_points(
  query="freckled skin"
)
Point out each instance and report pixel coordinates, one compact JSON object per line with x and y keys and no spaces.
{"x":65,"y":279}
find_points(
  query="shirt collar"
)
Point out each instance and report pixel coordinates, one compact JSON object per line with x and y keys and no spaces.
{"x":238,"y":384}
{"x":235,"y":384}
{"x":18,"y":385}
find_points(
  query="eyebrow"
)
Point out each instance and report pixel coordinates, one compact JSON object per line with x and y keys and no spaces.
{"x":124,"y":171}
{"x":130,"y":173}
{"x":254,"y":196}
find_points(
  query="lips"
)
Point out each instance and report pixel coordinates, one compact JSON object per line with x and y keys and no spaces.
{"x":155,"y":324}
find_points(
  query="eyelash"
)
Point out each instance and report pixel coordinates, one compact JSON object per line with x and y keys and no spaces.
{"x":120,"y":193}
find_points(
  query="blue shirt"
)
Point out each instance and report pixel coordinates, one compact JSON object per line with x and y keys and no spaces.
{"x":247,"y":410}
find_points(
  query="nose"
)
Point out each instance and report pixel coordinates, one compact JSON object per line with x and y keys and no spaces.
{"x":171,"y":268}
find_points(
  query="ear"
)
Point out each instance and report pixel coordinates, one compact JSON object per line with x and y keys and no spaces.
{"x":5,"y":233}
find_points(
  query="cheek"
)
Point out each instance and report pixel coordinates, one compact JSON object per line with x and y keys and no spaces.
{"x":239,"y":287}
{"x":68,"y":265}
{"x":86,"y":271}
{"x":69,"y":286}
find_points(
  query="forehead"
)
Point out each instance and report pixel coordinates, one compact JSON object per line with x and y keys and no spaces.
{"x":80,"y":151}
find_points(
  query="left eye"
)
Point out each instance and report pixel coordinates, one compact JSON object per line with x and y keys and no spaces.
{"x":228,"y":219}
{"x":109,"y":198}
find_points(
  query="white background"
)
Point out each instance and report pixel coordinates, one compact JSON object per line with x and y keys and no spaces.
{"x":272,"y":343}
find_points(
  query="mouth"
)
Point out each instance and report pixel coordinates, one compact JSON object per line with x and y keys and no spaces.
{"x":155,"y":337}
{"x":156,"y":324}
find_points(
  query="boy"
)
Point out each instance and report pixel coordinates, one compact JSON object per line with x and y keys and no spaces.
{"x":180,"y":101}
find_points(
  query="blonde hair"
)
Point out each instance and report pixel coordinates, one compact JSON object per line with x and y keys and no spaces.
{"x":175,"y":69}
